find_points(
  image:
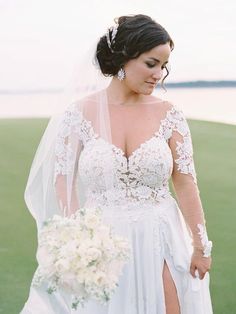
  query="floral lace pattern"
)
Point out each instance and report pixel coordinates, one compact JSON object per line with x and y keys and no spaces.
{"x":207,"y":245}
{"x":175,"y":121}
{"x":119,"y":180}
{"x":72,"y":123}
{"x":149,"y":167}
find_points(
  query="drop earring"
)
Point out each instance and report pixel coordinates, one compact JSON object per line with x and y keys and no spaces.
{"x":121,"y":74}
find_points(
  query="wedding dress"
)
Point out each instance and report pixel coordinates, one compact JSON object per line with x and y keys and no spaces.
{"x":141,"y":208}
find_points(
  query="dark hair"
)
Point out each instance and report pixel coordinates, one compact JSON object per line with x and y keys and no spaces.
{"x":135,"y":35}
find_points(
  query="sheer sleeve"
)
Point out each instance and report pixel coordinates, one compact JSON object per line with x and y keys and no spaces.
{"x":185,"y":182}
{"x":67,"y":149}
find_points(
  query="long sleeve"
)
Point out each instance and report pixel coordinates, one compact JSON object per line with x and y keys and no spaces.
{"x":67,"y":150}
{"x":185,"y":183}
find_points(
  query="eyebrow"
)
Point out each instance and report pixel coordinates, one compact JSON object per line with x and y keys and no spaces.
{"x":154,"y":59}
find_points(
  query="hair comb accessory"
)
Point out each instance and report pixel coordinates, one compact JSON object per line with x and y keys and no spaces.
{"x":113,"y":30}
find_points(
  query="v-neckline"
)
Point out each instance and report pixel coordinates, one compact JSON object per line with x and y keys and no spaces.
{"x":134,"y":152}
{"x":119,"y":149}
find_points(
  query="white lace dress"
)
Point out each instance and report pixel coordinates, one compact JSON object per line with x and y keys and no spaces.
{"x":143,"y":210}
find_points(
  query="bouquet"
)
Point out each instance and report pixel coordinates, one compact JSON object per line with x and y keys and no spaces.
{"x":80,"y":255}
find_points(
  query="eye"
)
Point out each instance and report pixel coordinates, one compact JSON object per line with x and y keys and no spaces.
{"x":150,"y":64}
{"x":153,"y":64}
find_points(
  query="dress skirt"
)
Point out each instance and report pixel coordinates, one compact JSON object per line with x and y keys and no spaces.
{"x":157,"y":233}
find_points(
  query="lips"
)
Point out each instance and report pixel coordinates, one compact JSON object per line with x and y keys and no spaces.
{"x":151,"y":83}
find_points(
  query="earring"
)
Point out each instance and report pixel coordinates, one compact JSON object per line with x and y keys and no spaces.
{"x":121,"y":74}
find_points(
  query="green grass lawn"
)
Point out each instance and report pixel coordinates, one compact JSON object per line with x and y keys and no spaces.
{"x":215,"y":151}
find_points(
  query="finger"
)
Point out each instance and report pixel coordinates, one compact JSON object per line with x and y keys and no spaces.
{"x":204,"y":274}
{"x":201,"y":274}
{"x":192,"y":270}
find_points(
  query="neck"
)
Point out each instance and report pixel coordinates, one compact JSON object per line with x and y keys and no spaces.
{"x":119,"y":94}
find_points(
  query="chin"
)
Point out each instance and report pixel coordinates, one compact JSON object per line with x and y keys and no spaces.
{"x":148,"y":92}
{"x":145,"y":91}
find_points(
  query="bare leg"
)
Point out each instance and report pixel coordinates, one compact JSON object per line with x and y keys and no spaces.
{"x":171,"y":298}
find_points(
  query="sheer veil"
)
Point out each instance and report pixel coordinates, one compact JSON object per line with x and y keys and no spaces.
{"x":54,"y":185}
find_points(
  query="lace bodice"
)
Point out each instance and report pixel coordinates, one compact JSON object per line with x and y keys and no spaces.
{"x":111,"y":178}
{"x":143,"y":175}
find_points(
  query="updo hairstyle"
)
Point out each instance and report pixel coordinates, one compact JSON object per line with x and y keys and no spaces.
{"x":135,"y":35}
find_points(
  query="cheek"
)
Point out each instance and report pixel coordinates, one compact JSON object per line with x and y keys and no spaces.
{"x":138,"y":73}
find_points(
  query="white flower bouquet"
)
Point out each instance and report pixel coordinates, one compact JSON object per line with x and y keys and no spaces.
{"x":80,"y":255}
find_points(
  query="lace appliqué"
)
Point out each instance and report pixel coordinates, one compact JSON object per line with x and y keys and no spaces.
{"x":140,"y":178}
{"x":185,"y":160}
{"x":207,"y":245}
{"x":122,"y":196}
{"x":73,"y":127}
{"x":175,"y":121}
{"x":143,"y":176}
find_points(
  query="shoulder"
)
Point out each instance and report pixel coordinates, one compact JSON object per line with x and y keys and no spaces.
{"x":164,"y":109}
{"x":82,"y":110}
{"x":84,"y":102}
{"x":172,"y":118}
{"x":170,"y":109}
{"x":163,"y":104}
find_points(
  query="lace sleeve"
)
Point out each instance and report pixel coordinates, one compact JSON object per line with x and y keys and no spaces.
{"x":67,"y":148}
{"x":185,"y":182}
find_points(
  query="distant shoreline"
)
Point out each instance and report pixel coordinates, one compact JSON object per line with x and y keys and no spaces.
{"x":212,"y":104}
{"x":201,"y":84}
{"x":187,"y":84}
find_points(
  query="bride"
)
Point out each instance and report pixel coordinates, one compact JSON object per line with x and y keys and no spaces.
{"x":117,"y":147}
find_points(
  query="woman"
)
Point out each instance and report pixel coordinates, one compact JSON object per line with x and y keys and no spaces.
{"x":117,"y":148}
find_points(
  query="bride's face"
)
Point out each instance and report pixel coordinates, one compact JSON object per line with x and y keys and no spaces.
{"x":144,"y":72}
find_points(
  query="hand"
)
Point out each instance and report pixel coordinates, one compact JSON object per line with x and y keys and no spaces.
{"x":200,"y":263}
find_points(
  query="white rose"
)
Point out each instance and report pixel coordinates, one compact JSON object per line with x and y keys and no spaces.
{"x":93,"y":254}
{"x":46,"y":261}
{"x":84,"y":275}
{"x":97,"y":241}
{"x":99,"y":278}
{"x":62,"y":265}
{"x":91,"y":220}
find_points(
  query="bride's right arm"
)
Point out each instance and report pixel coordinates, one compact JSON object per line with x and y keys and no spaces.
{"x":67,"y":150}
{"x":67,"y":200}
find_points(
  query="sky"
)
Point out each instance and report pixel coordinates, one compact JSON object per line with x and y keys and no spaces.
{"x":41,"y":40}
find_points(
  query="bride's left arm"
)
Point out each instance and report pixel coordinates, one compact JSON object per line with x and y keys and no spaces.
{"x":187,"y":192}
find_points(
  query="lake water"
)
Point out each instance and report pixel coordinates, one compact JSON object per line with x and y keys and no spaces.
{"x":212,"y":104}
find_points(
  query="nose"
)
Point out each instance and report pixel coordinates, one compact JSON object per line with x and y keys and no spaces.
{"x":157,"y":74}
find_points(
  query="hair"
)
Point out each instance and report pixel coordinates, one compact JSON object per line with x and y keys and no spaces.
{"x":135,"y":35}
